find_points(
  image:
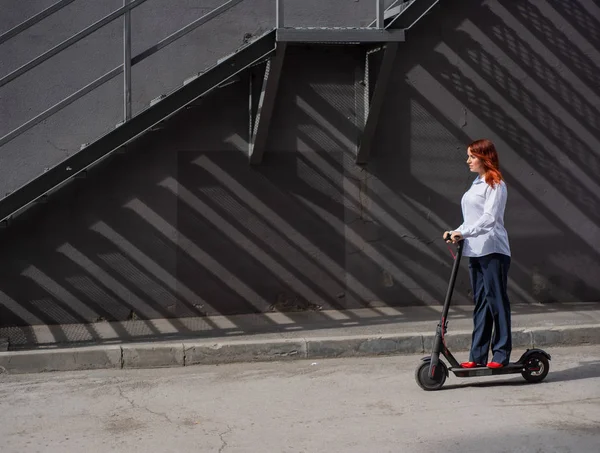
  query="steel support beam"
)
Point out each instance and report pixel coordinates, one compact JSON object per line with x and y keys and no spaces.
{"x":338,"y":35}
{"x":374,"y":108}
{"x":70,"y":167}
{"x":266,"y":104}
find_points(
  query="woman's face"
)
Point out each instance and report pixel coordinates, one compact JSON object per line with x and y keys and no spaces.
{"x":474,"y":163}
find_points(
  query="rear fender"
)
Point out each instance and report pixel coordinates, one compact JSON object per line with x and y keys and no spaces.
{"x":530,"y":352}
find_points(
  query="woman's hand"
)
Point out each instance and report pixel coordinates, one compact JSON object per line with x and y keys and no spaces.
{"x":455,"y":236}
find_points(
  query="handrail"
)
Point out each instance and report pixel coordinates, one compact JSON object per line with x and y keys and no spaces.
{"x":116,"y":71}
{"x":118,"y":13}
{"x":70,"y":41}
{"x":184,"y":31}
{"x":380,"y":10}
{"x":395,"y":4}
{"x":128,"y":61}
{"x":60,"y":105}
{"x":33,"y":20}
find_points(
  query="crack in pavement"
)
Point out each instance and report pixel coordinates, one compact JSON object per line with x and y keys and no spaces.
{"x":159,"y":414}
{"x":137,"y":406}
{"x":129,"y":400}
{"x":221,"y":435}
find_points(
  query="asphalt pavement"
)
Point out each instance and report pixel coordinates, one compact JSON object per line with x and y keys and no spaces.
{"x":358,"y":404}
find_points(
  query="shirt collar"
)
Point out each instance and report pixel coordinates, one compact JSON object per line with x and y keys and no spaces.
{"x":479,"y":180}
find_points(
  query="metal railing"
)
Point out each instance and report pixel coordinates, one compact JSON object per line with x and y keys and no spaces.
{"x":128,"y":60}
{"x":248,"y":55}
{"x":125,"y":68}
{"x":34,"y":20}
{"x":380,"y":10}
{"x":394,"y":8}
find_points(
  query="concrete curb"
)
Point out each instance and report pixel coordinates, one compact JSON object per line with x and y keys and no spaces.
{"x":220,"y":352}
{"x":88,"y":358}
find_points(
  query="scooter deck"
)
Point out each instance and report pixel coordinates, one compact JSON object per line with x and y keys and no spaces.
{"x":511,"y":368}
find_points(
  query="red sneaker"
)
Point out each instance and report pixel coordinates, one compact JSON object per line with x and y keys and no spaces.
{"x":494,"y":365}
{"x":468,"y":365}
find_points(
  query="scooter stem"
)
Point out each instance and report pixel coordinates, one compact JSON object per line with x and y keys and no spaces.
{"x":455,"y":267}
{"x":438,"y":341}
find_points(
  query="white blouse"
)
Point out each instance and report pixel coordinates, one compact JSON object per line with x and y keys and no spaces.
{"x":483,"y":219}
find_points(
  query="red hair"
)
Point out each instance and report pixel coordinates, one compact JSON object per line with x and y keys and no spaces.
{"x":485,"y":151}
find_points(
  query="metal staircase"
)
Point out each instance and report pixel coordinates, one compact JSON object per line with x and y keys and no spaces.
{"x":387,"y":30}
{"x":404,"y":14}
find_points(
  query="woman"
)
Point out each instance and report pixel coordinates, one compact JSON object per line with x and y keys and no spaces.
{"x":486,"y":245}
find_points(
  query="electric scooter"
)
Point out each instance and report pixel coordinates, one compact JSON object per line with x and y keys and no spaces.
{"x":432,"y":372}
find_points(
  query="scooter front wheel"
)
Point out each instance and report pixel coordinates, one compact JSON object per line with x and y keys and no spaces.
{"x":427,"y":383}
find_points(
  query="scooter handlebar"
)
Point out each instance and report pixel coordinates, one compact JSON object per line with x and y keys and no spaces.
{"x":448,"y":237}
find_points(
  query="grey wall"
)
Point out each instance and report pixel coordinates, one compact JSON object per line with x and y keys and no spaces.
{"x":181,"y":225}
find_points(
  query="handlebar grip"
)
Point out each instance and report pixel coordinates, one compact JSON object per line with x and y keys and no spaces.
{"x":448,"y":237}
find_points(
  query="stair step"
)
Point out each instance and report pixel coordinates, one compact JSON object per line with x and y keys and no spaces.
{"x":157,"y":99}
{"x":191,"y":79}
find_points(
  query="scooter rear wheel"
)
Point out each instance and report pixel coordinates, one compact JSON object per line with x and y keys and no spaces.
{"x":536,"y":368}
{"x":427,"y":383}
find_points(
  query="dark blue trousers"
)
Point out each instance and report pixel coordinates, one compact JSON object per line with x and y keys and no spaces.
{"x":489,"y":275}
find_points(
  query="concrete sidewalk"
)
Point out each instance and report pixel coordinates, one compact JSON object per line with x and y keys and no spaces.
{"x":279,"y":336}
